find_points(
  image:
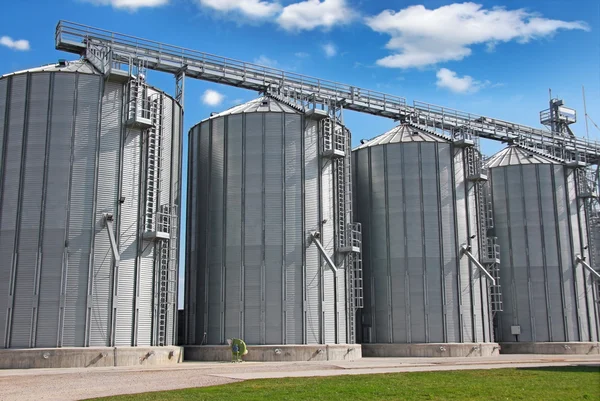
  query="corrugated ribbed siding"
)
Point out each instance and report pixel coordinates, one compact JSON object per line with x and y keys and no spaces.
{"x":204,"y":191}
{"x":215,"y":232}
{"x":311,"y":222}
{"x":552,"y":266}
{"x":233,"y":229}
{"x":465,"y":282}
{"x":191,"y":268}
{"x":328,"y":238}
{"x":273,"y":242}
{"x":293,"y":229}
{"x":475,"y":273}
{"x":433,"y":247}
{"x":55,"y":213}
{"x":449,"y":250}
{"x":378,"y":245}
{"x":10,"y":188}
{"x":31,"y":203}
{"x":362,"y":209}
{"x":80,"y":212}
{"x":254,"y":230}
{"x":397,"y":250}
{"x":107,"y":187}
{"x":129,"y":230}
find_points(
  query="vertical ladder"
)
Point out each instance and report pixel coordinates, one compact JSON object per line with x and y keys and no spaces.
{"x":154,"y":165}
{"x":167,"y":274}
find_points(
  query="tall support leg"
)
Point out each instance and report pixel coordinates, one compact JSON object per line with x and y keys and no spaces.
{"x":180,"y":86}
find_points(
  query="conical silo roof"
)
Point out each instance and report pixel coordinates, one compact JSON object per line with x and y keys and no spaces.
{"x":404,"y":133}
{"x":516,"y":155}
{"x":263,"y":104}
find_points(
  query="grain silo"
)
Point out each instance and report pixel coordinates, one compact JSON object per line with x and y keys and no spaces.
{"x":541,"y":217}
{"x":427,"y":292}
{"x":90,"y":177}
{"x":269,"y":233}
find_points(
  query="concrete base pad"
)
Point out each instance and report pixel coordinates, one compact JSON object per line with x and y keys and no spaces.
{"x":276,"y":353}
{"x":89,"y":357}
{"x":565,"y":348}
{"x":430,"y":350}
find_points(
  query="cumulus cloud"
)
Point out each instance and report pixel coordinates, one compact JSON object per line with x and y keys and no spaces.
{"x":311,"y":14}
{"x":449,"y":79}
{"x":21,"y":44}
{"x":421,"y":37}
{"x":329,"y":49}
{"x":254,"y":9}
{"x":129,"y":4}
{"x":212,"y":98}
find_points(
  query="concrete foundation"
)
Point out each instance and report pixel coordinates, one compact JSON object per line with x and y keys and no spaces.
{"x":430,"y":350}
{"x":89,"y":357}
{"x":276,"y":353}
{"x":567,"y":348}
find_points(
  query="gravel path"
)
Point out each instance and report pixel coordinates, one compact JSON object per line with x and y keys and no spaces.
{"x":77,"y":384}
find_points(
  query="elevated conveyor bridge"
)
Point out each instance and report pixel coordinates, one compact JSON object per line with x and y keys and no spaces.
{"x":110,"y":50}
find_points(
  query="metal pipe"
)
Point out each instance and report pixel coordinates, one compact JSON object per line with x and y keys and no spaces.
{"x":315,"y":238}
{"x":465,"y":250}
{"x":579,"y":259}
{"x":108,"y":222}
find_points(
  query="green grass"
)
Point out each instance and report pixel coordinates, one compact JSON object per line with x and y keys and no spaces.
{"x":556,"y":383}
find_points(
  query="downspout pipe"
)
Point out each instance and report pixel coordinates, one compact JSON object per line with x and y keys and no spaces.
{"x":466,"y":250}
{"x":585,"y":264}
{"x":314,"y":236}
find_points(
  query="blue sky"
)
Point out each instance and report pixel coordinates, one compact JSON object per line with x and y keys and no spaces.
{"x":495,"y":58}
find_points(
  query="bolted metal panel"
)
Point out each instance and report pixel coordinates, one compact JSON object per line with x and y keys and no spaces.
{"x":10,"y":196}
{"x":107,"y":189}
{"x":54,"y":219}
{"x":192,"y":267}
{"x":215,"y":232}
{"x":432,"y":244}
{"x":462,"y":230}
{"x":128,"y":237}
{"x":311,"y":223}
{"x":33,"y":158}
{"x":273,"y":240}
{"x":233,"y":224}
{"x":253,"y":228}
{"x":293,"y":226}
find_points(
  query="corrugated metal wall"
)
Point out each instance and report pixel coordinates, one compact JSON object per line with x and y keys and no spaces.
{"x":65,"y":159}
{"x":416,"y":206}
{"x":258,"y":186}
{"x":541,"y":227}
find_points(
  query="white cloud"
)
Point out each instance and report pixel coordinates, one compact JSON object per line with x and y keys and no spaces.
{"x":421,"y":37}
{"x":448,"y":79}
{"x":22,"y":45}
{"x":212,"y":98}
{"x":302,"y":55}
{"x":311,"y":14}
{"x":265,"y":61}
{"x":329,"y":49}
{"x":254,"y":9}
{"x":129,"y":4}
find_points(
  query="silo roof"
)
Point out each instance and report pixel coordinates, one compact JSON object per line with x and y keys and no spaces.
{"x":516,"y":155}
{"x":69,"y":66}
{"x":405,"y":133}
{"x":261,"y":105}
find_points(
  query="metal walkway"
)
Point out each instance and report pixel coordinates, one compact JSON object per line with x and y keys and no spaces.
{"x":111,"y":49}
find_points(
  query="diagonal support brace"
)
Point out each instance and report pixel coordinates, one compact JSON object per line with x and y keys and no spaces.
{"x":108,"y":223}
{"x":585,"y":264}
{"x":464,"y":249}
{"x":315,"y":238}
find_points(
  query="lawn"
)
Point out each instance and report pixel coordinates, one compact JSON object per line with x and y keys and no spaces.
{"x":556,"y":383}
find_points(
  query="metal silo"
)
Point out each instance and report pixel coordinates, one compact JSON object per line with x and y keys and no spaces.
{"x":418,"y":198}
{"x":90,"y":177}
{"x":540,"y":209}
{"x":269,"y":228}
